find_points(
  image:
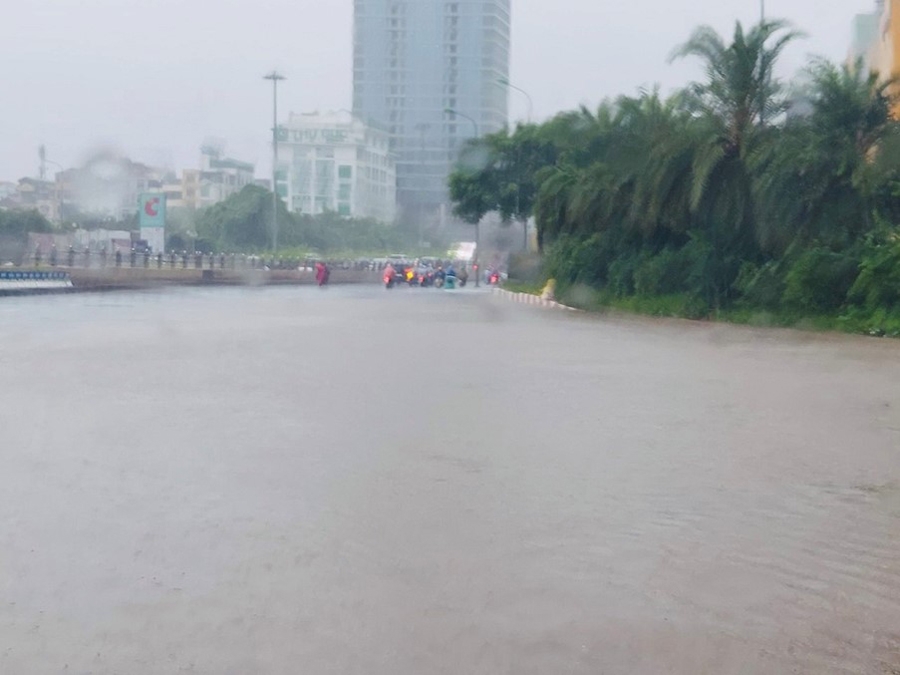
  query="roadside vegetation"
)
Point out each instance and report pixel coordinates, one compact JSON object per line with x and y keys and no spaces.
{"x":737,"y":197}
{"x":243,"y":223}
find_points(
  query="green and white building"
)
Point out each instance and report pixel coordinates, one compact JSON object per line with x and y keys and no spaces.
{"x":334,"y":162}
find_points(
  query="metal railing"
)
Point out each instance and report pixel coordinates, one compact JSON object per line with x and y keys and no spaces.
{"x":134,"y":259}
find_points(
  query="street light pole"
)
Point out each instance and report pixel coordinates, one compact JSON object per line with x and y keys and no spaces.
{"x":423,"y":181}
{"x":275,"y":77}
{"x":452,"y":112}
{"x":762,"y":11}
{"x":506,"y":83}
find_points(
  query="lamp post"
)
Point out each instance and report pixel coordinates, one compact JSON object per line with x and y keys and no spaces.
{"x":506,"y":83}
{"x":275,"y":77}
{"x":422,"y":128}
{"x":456,"y":113}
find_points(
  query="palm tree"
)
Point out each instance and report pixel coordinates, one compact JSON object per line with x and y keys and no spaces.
{"x":551,"y":210}
{"x":824,"y":177}
{"x":730,"y":109}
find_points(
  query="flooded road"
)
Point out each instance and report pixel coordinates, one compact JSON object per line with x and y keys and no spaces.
{"x":291,"y":481}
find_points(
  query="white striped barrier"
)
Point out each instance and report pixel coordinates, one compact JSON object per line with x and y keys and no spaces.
{"x":28,"y":281}
{"x":531,"y":299}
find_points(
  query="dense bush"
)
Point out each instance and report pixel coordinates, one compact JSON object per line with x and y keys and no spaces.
{"x":878,"y":283}
{"x":761,"y":285}
{"x":818,"y":280}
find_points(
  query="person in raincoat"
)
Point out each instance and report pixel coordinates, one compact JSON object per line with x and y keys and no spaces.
{"x":321,"y":273}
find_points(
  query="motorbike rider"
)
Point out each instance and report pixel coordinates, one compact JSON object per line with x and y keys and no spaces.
{"x":389,"y":273}
{"x":423,"y":273}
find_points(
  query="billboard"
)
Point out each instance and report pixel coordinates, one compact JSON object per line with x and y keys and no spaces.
{"x":152,"y":210}
{"x":152,"y":215}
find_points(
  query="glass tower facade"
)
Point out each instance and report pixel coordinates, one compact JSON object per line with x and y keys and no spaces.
{"x":413,"y":60}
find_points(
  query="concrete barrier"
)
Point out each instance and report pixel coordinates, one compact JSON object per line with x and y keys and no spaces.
{"x":138,"y":278}
{"x":531,"y":299}
{"x":117,"y":278}
{"x":17,"y":281}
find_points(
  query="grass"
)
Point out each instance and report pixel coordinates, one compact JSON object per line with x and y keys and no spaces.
{"x":856,"y":320}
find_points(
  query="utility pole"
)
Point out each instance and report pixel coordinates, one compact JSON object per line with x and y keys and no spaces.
{"x":762,"y":11}
{"x":275,"y":77}
{"x":42,"y":154}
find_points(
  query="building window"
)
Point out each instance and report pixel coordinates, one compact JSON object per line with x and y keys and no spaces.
{"x":344,"y":192}
{"x":343,"y":209}
{"x":345,"y":171}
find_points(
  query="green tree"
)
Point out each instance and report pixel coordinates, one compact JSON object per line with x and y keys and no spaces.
{"x":243,"y":221}
{"x":18,"y":223}
{"x":15,"y":226}
{"x":498,"y":172}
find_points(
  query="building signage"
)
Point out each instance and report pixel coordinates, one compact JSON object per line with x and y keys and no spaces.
{"x":152,"y":210}
{"x":313,"y":136}
{"x":152,"y":216}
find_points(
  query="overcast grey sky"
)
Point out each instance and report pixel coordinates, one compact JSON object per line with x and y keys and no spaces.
{"x":154,"y":78}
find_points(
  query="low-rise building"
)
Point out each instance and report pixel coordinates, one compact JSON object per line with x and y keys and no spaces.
{"x":217,"y":179}
{"x":173,"y":189}
{"x":876,"y":40}
{"x":7,"y":189}
{"x":106,"y":187}
{"x":33,"y":194}
{"x":865,"y":35}
{"x":335,"y":162}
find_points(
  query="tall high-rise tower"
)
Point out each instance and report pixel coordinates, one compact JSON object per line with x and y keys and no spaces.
{"x":415,"y":59}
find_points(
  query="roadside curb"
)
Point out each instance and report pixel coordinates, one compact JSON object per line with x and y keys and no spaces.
{"x":531,"y":299}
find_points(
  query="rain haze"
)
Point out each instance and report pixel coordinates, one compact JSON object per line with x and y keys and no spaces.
{"x":396,"y":412}
{"x":156,"y":78}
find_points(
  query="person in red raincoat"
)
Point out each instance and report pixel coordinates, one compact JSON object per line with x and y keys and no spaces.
{"x":321,"y":273}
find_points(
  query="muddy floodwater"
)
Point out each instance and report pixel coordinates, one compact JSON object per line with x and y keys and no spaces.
{"x":282,"y":481}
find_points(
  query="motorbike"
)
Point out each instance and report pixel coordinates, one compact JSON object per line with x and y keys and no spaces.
{"x":389,"y":281}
